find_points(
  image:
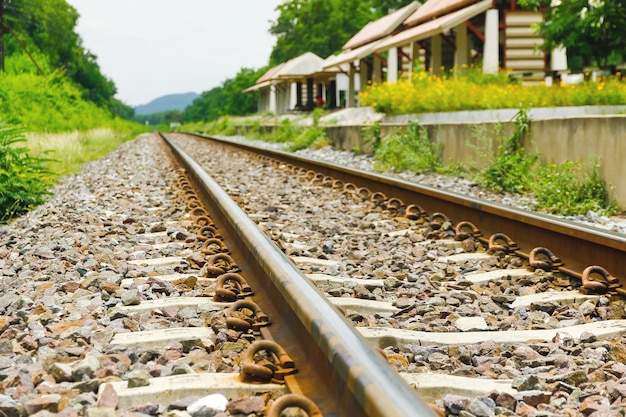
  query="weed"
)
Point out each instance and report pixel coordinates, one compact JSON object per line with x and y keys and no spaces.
{"x":571,"y":188}
{"x":408,"y":150}
{"x":372,"y":136}
{"x":512,"y":168}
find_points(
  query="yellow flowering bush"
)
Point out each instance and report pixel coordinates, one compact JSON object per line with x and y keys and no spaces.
{"x":423,"y":92}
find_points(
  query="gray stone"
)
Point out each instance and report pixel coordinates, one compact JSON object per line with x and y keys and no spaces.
{"x":482,"y":407}
{"x":208,"y":406}
{"x":454,"y":404}
{"x":131,"y":297}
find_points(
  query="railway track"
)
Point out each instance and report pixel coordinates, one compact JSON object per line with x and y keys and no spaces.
{"x":482,"y":280}
{"x":152,"y":289}
{"x":134,"y":292}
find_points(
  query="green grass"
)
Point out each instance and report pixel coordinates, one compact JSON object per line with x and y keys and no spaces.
{"x":72,"y":149}
{"x":407,"y":150}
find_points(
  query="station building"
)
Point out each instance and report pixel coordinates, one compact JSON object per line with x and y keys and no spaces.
{"x":435,"y":36}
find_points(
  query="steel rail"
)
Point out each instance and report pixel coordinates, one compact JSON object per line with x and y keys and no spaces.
{"x":337,"y":369}
{"x":576,"y":245}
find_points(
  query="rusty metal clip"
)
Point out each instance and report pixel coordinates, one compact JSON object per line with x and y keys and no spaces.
{"x":213,"y":246}
{"x":199,"y":212}
{"x":202,"y":221}
{"x":207,"y":232}
{"x":394,"y":204}
{"x":230,"y":287}
{"x":328,"y":181}
{"x":236,"y":319}
{"x":437,"y":220}
{"x":310,"y":175}
{"x":318,"y":178}
{"x":465,"y":230}
{"x":294,"y":400}
{"x":274,"y":370}
{"x":337,"y":184}
{"x":218,"y":264}
{"x":414,"y":212}
{"x":608,"y":282}
{"x":548,"y":263}
{"x":499,"y":242}
{"x":349,"y":187}
{"x":378,"y":199}
{"x":364,"y":192}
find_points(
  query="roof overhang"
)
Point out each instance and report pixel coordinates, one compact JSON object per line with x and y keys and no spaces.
{"x":436,"y":8}
{"x":258,"y":86}
{"x":382,"y":27}
{"x":348,"y":57}
{"x":434,"y":27}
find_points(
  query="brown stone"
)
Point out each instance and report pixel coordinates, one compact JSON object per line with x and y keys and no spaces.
{"x":41,"y":288}
{"x":4,"y":324}
{"x":169,"y":356}
{"x":506,"y":400}
{"x":594,"y":403}
{"x":53,"y":403}
{"x":526,"y":410}
{"x":109,"y":287}
{"x":535,"y":397}
{"x":62,"y":326}
{"x":70,"y":286}
{"x":246,"y":405}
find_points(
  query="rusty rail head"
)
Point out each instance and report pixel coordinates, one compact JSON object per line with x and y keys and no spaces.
{"x":356,"y":379}
{"x":578,"y":246}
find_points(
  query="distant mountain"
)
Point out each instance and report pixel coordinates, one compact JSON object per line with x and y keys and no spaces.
{"x":166,"y":103}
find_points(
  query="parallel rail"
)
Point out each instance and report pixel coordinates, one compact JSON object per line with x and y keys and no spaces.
{"x":578,"y":246}
{"x":337,"y":369}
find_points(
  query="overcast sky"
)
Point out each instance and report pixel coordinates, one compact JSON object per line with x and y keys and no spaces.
{"x":151,"y":48}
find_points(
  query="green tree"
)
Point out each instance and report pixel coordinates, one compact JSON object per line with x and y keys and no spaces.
{"x":48,"y":28}
{"x":592,"y":29}
{"x":318,"y":26}
{"x":384,"y":7}
{"x":226,"y":99}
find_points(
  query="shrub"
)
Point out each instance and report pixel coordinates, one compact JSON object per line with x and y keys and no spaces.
{"x":408,"y":150}
{"x":24,"y":179}
{"x":470,"y":89}
{"x":511,"y":170}
{"x":571,"y":188}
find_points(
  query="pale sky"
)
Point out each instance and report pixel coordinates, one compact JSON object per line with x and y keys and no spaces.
{"x":151,"y":48}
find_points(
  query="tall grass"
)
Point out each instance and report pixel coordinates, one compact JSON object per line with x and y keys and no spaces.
{"x":71,"y":150}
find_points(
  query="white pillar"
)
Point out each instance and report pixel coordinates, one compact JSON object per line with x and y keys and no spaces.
{"x":392,"y":65}
{"x":559,"y":59}
{"x":461,"y":54}
{"x":435,"y":54}
{"x":351,"y":91}
{"x":291,"y":103}
{"x":273,"y":107}
{"x":491,"y":52}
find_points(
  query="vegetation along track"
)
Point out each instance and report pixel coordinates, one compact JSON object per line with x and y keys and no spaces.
{"x":483,"y":298}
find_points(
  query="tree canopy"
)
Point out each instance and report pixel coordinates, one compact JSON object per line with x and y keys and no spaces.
{"x":592,"y":29}
{"x":322,"y":26}
{"x":226,"y":99}
{"x":48,"y":28}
